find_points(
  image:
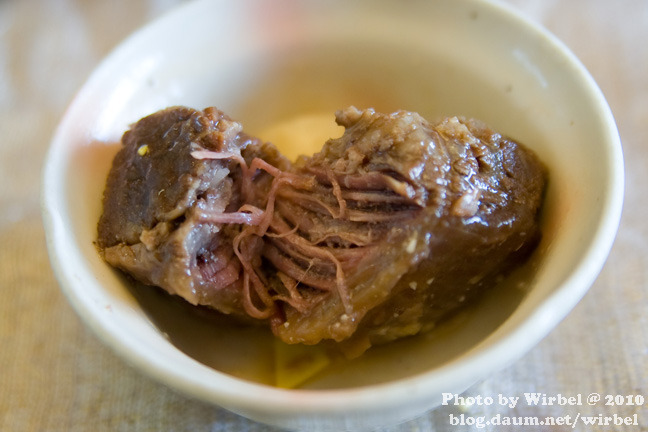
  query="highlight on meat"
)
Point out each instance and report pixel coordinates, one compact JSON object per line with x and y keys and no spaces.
{"x":378,"y":236}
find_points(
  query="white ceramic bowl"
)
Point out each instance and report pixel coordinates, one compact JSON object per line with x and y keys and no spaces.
{"x":268,"y":62}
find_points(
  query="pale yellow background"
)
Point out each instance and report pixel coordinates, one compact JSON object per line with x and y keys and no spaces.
{"x":56,"y":376}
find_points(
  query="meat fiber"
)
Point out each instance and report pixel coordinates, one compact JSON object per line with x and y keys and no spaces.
{"x":378,"y":236}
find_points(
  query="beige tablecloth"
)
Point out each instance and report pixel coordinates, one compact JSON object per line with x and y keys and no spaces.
{"x":56,"y":376}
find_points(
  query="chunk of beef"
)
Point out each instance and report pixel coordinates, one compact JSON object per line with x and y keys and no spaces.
{"x":417,"y":218}
{"x":161,"y":205}
{"x":379,"y":235}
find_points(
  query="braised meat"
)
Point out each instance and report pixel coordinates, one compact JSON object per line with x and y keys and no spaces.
{"x":378,"y":236}
{"x":169,"y":216}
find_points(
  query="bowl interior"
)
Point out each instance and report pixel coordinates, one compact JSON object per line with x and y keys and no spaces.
{"x":267,"y":65}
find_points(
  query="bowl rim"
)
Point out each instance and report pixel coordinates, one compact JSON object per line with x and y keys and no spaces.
{"x":239,"y":394}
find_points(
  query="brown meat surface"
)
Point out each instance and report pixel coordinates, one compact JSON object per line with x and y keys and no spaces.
{"x":158,"y":197}
{"x":379,"y":235}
